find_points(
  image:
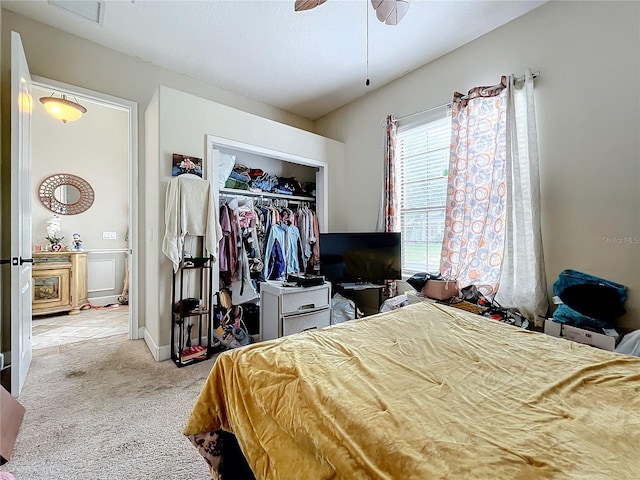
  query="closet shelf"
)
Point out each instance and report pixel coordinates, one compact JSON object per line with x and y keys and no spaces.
{"x":249,"y":193}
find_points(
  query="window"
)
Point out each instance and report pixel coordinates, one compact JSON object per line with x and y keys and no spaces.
{"x":422,"y":162}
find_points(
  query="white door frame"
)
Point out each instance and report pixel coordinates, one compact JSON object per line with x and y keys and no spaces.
{"x":132,"y":109}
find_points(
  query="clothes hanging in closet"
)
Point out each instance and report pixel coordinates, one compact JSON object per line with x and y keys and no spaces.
{"x":271,"y":238}
{"x":283,"y":252}
{"x":309,"y":227}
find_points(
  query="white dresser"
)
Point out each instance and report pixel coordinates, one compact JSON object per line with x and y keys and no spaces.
{"x":287,"y":310}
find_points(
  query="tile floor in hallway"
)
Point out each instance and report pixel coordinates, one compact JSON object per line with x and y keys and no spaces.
{"x":52,"y":330}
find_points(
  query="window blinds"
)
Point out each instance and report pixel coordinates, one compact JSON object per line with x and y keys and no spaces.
{"x":422,"y":154}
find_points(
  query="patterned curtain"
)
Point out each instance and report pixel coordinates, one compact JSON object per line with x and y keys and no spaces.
{"x":387,"y":220}
{"x":474,"y":231}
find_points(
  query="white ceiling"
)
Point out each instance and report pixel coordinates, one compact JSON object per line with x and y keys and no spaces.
{"x":308,"y":63}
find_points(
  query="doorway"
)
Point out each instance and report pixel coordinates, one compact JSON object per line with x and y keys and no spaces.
{"x":100,"y":148}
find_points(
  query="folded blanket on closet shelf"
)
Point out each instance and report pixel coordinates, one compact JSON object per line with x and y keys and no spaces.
{"x":190,"y":209}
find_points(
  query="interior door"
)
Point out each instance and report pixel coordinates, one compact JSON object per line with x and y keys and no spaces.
{"x":21,"y":261}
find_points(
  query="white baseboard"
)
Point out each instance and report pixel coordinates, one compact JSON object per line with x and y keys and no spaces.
{"x":102,"y":301}
{"x":159,"y":353}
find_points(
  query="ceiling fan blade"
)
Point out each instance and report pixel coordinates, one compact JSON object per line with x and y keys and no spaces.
{"x":390,"y":12}
{"x":307,"y":4}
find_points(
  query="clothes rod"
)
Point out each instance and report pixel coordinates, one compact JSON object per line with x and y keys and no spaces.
{"x":517,"y":79}
{"x":295,"y":199}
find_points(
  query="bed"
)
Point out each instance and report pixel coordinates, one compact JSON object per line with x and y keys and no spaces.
{"x":422,"y":392}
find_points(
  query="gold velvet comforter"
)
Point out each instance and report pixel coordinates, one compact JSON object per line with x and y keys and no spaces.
{"x":426,"y":392}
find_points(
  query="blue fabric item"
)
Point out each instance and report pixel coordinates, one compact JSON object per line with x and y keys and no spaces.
{"x":240,"y":177}
{"x":288,"y":236}
{"x":276,"y":265}
{"x":568,"y":312}
{"x":265,"y":182}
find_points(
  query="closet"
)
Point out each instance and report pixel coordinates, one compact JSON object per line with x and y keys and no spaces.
{"x":299,"y":207}
{"x":181,"y":123}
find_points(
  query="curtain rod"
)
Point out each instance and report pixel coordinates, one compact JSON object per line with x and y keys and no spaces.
{"x":517,"y":79}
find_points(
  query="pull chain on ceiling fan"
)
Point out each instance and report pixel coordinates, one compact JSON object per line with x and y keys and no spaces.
{"x":389,"y":12}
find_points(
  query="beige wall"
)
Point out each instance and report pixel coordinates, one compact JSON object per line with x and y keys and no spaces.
{"x":95,"y":148}
{"x":186,"y":133}
{"x":588,"y":110}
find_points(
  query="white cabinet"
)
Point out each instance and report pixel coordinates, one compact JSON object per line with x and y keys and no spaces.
{"x":287,"y":310}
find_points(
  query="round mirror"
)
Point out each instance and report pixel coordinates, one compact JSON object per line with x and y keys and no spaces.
{"x":66,"y":194}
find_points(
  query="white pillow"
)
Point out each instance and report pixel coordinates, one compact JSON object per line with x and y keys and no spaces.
{"x":225,"y":166}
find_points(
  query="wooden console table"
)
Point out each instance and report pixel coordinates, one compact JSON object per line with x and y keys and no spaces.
{"x":59,"y":282}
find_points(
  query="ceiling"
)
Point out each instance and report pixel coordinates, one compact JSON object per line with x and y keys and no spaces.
{"x":308,"y":63}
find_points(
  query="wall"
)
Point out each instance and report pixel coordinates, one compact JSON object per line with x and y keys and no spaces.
{"x":183,"y":121}
{"x":588,"y":110}
{"x":94,"y":148}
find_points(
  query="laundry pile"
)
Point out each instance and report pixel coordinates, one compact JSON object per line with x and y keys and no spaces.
{"x":469,"y":298}
{"x":242,"y":177}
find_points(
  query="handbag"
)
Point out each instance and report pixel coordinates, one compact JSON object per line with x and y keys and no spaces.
{"x":441,"y":289}
{"x":232,"y":331}
{"x":242,"y":291}
{"x":419,"y":280}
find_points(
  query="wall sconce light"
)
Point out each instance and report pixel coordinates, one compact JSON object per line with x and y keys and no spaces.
{"x":62,"y":108}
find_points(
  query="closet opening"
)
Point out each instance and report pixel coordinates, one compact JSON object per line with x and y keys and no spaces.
{"x":262,"y":194}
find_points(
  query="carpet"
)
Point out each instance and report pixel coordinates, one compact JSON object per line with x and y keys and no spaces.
{"x":105,"y":409}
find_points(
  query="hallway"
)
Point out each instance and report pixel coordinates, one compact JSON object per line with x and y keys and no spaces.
{"x":49,"y":331}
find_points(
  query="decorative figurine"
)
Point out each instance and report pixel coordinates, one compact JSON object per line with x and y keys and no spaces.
{"x":77,"y":242}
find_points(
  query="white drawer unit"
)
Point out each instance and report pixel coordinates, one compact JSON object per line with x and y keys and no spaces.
{"x":287,"y":310}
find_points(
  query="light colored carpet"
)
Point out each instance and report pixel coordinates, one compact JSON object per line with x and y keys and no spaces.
{"x":104,"y":409}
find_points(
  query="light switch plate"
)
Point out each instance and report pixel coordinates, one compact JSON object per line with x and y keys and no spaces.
{"x":108,"y":235}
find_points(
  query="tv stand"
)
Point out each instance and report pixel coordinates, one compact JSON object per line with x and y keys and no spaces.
{"x":368,"y":297}
{"x":359,"y":285}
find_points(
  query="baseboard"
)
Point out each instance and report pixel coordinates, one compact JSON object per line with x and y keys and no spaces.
{"x":102,"y":301}
{"x":159,"y":353}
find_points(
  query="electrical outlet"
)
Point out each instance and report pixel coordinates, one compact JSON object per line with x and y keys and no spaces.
{"x":108,"y":235}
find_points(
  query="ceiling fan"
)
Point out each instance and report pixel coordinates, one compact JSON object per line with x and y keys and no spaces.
{"x":389,"y":12}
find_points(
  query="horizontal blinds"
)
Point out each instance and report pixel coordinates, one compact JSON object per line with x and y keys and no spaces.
{"x":422,"y":154}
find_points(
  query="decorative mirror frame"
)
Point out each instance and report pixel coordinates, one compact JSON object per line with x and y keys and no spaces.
{"x":47,"y":189}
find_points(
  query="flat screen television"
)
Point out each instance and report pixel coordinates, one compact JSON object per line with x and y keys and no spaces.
{"x":360,"y":257}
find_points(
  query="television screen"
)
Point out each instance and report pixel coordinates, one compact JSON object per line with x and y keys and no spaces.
{"x":360,"y":257}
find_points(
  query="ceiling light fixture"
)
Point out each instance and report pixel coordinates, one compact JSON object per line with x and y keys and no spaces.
{"x":62,"y":108}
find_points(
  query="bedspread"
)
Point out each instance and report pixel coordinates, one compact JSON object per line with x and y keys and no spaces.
{"x":426,"y":392}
